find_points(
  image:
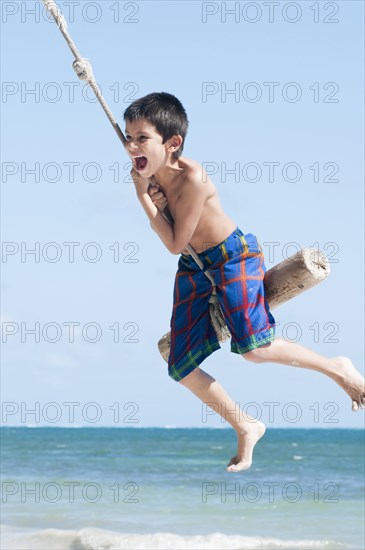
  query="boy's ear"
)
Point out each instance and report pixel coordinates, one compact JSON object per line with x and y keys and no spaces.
{"x":174,"y":143}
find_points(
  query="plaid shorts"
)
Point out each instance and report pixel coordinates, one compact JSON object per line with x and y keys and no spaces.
{"x":237,"y":265}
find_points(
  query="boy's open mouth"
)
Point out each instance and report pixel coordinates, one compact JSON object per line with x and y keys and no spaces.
{"x":140,"y":162}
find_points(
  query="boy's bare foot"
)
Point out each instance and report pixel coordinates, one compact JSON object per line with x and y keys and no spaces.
{"x":247,"y":439}
{"x":351,"y":381}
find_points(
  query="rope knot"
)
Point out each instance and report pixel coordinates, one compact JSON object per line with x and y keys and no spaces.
{"x":83,"y":69}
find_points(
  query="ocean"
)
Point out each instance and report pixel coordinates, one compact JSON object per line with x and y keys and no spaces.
{"x":118,"y":488}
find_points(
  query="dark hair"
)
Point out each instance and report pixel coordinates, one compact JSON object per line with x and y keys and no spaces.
{"x":165,"y":112}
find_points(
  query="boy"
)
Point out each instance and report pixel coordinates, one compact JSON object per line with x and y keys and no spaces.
{"x":156,"y":126}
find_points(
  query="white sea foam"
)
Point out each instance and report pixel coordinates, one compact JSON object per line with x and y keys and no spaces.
{"x":100,"y":539}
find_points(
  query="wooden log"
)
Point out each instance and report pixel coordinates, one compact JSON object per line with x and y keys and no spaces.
{"x":284,"y":281}
{"x":295,"y":275}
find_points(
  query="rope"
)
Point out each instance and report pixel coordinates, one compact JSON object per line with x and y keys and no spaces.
{"x":84,"y":71}
{"x":82,"y":66}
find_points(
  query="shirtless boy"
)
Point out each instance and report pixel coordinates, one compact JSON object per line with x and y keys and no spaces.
{"x":156,"y":126}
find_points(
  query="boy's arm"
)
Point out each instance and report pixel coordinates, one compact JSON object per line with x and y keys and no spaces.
{"x":188,"y":210}
{"x":157,"y":221}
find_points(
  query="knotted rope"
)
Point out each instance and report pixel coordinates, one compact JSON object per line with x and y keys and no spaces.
{"x":84,"y":71}
{"x":82,"y":66}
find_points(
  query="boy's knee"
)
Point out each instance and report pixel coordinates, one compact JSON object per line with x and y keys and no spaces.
{"x":257,"y":355}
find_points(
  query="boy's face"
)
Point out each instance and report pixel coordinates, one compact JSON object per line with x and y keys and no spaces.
{"x":144,"y":146}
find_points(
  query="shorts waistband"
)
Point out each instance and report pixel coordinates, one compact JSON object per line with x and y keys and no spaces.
{"x":236,"y":243}
{"x":212,"y":248}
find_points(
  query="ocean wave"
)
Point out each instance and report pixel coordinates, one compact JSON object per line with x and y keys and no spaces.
{"x":100,"y":539}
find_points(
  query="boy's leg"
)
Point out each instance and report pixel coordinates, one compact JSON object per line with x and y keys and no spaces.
{"x":248,"y":430}
{"x":340,"y":369}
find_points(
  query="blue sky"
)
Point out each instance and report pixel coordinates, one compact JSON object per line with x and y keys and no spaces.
{"x":298,"y":82}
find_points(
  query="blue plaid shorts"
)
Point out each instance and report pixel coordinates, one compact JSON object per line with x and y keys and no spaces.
{"x":237,"y":265}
